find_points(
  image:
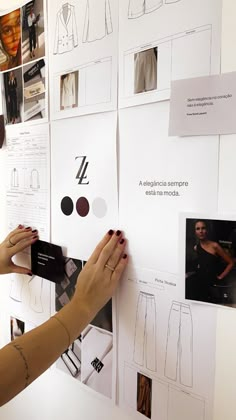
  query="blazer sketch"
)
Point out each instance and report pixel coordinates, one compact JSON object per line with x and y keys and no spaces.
{"x":66,"y":37}
{"x":98,"y":22}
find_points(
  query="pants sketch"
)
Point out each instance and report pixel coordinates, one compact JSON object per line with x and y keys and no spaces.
{"x":32,"y":37}
{"x":179,"y":346}
{"x":145,"y":69}
{"x":145,"y":332}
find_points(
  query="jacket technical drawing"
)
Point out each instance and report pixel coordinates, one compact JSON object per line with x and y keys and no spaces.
{"x":98,"y":21}
{"x":68,"y":94}
{"x":138,"y":8}
{"x":66,"y":36}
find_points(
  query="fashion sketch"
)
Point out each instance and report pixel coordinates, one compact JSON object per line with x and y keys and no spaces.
{"x":98,"y":21}
{"x":179,"y":345}
{"x":139,"y":8}
{"x":145,"y":332}
{"x":14,"y":178}
{"x":34,"y":179}
{"x":66,"y":36}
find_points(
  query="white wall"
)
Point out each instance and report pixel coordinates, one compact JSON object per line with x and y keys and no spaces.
{"x":57,"y":396}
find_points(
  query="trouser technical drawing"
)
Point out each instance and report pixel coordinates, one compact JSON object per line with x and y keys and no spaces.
{"x":145,"y":332}
{"x":179,"y":345}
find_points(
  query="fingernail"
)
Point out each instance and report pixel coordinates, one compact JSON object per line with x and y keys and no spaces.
{"x":122,"y":241}
{"x":110,"y":232}
{"x":28,"y":228}
{"x":36,"y":237}
{"x":124,"y":256}
{"x":34,"y":231}
{"x":118,"y":233}
{"x":20,"y":227}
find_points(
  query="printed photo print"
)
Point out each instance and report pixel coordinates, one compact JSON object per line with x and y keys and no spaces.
{"x":10,"y":40}
{"x":145,"y":70}
{"x":13,"y":96}
{"x":34,"y":90}
{"x":210,"y":257}
{"x":33,"y":35}
{"x":90,"y":358}
{"x":69,"y":85}
{"x":144,"y":395}
{"x":17,"y":328}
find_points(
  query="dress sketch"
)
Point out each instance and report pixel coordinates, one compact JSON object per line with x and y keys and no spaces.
{"x":98,"y":21}
{"x":66,"y":37}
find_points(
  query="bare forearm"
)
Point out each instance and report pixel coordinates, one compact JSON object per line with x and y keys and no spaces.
{"x":226,"y":271}
{"x":27,"y":357}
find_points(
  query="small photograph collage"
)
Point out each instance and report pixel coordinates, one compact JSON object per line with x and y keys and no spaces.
{"x":90,"y":358}
{"x":22,"y":63}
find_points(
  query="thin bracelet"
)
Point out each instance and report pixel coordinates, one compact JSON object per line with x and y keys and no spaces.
{"x":67,"y":332}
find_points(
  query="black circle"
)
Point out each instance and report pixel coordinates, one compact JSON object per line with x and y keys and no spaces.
{"x":67,"y":206}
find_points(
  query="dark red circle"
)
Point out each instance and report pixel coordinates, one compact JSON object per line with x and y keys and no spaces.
{"x":82,"y":207}
{"x":67,"y":206}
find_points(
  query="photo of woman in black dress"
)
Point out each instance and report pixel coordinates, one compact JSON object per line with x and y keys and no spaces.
{"x":210,"y":263}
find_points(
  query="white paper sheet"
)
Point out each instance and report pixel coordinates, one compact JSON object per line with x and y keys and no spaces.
{"x":162,"y":41}
{"x":83,"y":57}
{"x":159,"y":177}
{"x":164,"y":338}
{"x":28,"y":178}
{"x":84,"y":182}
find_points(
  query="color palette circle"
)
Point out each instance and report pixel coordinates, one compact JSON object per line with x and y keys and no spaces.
{"x":67,"y":206}
{"x":82,"y":207}
{"x":99,"y":207}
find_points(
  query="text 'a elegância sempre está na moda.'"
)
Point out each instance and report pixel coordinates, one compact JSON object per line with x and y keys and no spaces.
{"x":164,"y":188}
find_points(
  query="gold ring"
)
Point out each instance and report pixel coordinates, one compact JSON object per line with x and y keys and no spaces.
{"x":10,"y":242}
{"x":109,"y":267}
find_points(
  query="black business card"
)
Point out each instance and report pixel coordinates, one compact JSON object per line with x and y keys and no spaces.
{"x":47,"y":261}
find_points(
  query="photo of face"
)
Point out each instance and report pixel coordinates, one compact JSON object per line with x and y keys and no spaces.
{"x":200,"y":230}
{"x":10,"y":37}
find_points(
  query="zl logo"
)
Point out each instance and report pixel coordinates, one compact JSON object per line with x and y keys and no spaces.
{"x":81,"y":175}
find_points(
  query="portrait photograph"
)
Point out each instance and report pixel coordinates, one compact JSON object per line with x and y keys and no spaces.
{"x":210,"y":257}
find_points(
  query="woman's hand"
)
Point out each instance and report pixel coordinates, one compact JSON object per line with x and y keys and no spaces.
{"x":100,"y":277}
{"x":17,"y":240}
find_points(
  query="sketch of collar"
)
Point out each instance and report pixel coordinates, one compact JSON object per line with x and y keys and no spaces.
{"x":65,"y":21}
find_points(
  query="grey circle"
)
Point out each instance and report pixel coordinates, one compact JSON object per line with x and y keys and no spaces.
{"x":99,"y":207}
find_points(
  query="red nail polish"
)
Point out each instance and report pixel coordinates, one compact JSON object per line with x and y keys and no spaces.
{"x":20,"y":227}
{"x":124,"y":256}
{"x":118,"y":233}
{"x":122,"y":241}
{"x":110,"y":232}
